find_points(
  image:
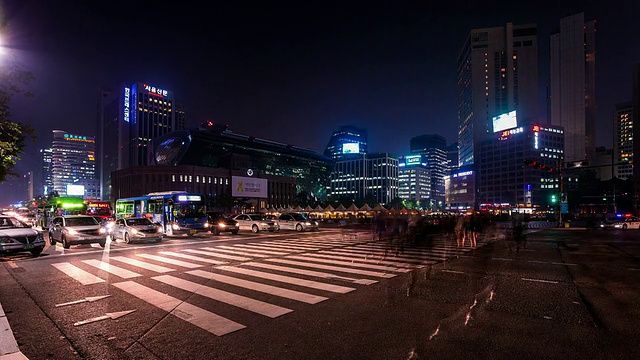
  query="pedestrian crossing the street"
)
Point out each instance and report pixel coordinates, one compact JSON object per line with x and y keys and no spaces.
{"x":265,"y":278}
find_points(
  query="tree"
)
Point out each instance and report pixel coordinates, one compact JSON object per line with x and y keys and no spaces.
{"x":13,"y":135}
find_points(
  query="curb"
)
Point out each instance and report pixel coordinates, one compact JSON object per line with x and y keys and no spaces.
{"x":9,"y":349}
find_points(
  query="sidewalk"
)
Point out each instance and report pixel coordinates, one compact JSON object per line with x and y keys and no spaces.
{"x":9,"y":349}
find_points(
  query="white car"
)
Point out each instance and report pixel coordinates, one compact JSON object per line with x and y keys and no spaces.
{"x":627,"y":223}
{"x":139,"y":228}
{"x":76,"y":229}
{"x":16,"y":236}
{"x":297,"y":222}
{"x":255,"y":223}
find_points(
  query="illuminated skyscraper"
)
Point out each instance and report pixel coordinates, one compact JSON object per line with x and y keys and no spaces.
{"x":434,"y":149}
{"x":572,"y":100}
{"x":73,"y":162}
{"x":497,"y":73}
{"x":623,"y":141}
{"x":347,"y":143}
{"x":47,"y":170}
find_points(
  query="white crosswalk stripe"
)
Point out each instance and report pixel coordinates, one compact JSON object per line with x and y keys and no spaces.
{"x":112,"y":269}
{"x":170,"y":261}
{"x":191,"y":257}
{"x":256,"y":286}
{"x":243,"y":253}
{"x":142,"y":264}
{"x":251,"y":251}
{"x":83,"y":277}
{"x":256,"y":306}
{"x":319,"y":274}
{"x":212,"y":252}
{"x":204,"y":319}
{"x":335,"y":268}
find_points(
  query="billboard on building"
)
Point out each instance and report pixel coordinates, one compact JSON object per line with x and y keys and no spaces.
{"x":351,"y":148}
{"x":505,"y":121}
{"x":249,"y":187}
{"x":75,"y":190}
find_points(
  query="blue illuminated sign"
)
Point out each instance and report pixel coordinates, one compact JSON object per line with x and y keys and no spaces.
{"x":127,"y":98}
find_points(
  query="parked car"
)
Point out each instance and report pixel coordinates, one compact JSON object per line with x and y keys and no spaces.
{"x":136,"y":228}
{"x":273,"y":218}
{"x":298,"y":222}
{"x":16,"y":236}
{"x":219,"y":223}
{"x":76,"y":229}
{"x":255,"y":222}
{"x":627,"y":223}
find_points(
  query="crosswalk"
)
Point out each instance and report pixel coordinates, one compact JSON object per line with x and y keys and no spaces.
{"x":266,"y":278}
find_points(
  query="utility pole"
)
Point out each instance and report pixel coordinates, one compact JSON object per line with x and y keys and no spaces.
{"x":561,"y":188}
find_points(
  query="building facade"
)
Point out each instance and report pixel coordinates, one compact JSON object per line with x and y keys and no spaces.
{"x":572,"y":99}
{"x":47,"y":170}
{"x":372,"y":176}
{"x":503,"y":178}
{"x":414,"y":182}
{"x":128,"y":120}
{"x":460,"y":188}
{"x":73,"y":163}
{"x":434,"y":149}
{"x":497,"y":72}
{"x":623,"y":141}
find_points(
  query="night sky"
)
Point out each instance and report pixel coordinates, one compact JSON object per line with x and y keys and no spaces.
{"x":289,"y":72}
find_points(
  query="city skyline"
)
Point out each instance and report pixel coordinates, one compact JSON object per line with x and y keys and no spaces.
{"x":372,"y":68}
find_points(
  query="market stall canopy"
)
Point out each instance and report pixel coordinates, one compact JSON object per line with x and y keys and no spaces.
{"x":308,"y":208}
{"x":297,"y":209}
{"x":329,"y":208}
{"x":365,"y":207}
{"x":353,"y":208}
{"x":318,"y":208}
{"x":341,"y":208}
{"x":379,"y":207}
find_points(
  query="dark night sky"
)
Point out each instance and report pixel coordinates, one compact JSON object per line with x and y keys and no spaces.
{"x":289,"y":72}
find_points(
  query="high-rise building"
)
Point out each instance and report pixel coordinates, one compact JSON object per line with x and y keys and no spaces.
{"x":369,"y":176}
{"x":128,"y":120}
{"x":434,"y":149}
{"x":572,"y":100}
{"x":47,"y":170}
{"x":636,"y":134}
{"x":452,"y":157}
{"x":623,"y":141}
{"x":347,"y":143}
{"x":73,"y":163}
{"x":414,"y":181}
{"x":497,"y":73}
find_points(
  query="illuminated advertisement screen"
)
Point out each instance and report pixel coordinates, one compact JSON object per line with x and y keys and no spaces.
{"x":413,"y":160}
{"x":75,"y":189}
{"x":504,"y":121}
{"x":351,"y":148}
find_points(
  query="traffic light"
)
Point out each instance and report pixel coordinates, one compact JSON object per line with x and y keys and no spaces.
{"x":554,"y":199}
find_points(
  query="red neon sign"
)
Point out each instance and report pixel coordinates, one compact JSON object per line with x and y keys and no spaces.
{"x":536,"y":128}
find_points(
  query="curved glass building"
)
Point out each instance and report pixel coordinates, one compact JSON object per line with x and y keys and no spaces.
{"x":215,"y":146}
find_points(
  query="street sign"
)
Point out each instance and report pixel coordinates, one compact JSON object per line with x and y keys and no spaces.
{"x":564,"y":207}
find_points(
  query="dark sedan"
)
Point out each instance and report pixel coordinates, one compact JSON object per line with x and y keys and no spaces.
{"x":219,"y":223}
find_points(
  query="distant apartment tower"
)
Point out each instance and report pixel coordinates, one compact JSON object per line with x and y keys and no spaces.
{"x":572,"y":99}
{"x":452,"y":157}
{"x":372,"y":175}
{"x":414,"y":181}
{"x":28,"y":177}
{"x":497,"y":72}
{"x":47,"y":170}
{"x":623,"y":141}
{"x":434,"y":149}
{"x":128,"y":120}
{"x":347,"y":143}
{"x":73,"y":162}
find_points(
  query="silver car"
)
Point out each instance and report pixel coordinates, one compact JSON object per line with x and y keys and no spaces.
{"x":255,"y":223}
{"x":298,"y":222}
{"x":76,"y":229}
{"x":139,"y":228}
{"x":16,"y":236}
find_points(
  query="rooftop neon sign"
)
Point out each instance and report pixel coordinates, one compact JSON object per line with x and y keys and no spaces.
{"x":155,"y":91}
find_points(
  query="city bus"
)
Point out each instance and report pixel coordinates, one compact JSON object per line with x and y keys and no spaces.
{"x":99,"y":208}
{"x":61,"y":205}
{"x":178,"y":212}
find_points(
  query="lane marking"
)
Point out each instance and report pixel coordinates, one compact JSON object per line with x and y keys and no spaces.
{"x":540,"y":280}
{"x":199,"y":317}
{"x":452,"y":271}
{"x":112,"y":269}
{"x":83,"y":277}
{"x":256,"y":286}
{"x":243,"y":302}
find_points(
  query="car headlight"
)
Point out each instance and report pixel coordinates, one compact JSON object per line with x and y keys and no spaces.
{"x":222,"y":225}
{"x":5,"y":240}
{"x":263,"y":224}
{"x":206,"y":225}
{"x":175,"y":227}
{"x":102,"y":230}
{"x":237,"y":225}
{"x":159,"y":229}
{"x":134,"y":231}
{"x":307,"y":223}
{"x":72,"y":232}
